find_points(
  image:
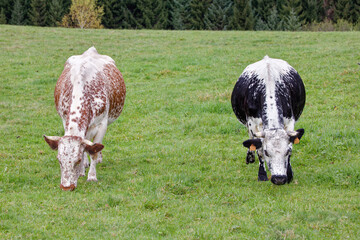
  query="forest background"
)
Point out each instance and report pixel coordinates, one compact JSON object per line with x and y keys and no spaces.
{"x":280,"y":15}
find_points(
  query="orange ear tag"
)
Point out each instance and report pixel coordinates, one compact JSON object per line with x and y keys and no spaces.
{"x":296,"y":141}
{"x":252,"y":147}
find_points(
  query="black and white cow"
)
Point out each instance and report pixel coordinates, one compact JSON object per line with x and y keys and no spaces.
{"x":268,"y":98}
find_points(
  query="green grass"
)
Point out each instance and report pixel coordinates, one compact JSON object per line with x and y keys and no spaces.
{"x":174,"y":166}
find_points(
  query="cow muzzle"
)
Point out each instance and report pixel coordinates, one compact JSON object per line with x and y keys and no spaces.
{"x":279,"y":179}
{"x":69,"y":188}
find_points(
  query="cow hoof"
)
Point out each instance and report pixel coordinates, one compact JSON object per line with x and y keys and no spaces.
{"x":69,"y":188}
{"x":92,"y":179}
{"x":250,"y":159}
{"x":289,"y":179}
{"x":262,"y":178}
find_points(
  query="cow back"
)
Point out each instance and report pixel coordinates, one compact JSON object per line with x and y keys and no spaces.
{"x":251,"y":96}
{"x":89,"y":90}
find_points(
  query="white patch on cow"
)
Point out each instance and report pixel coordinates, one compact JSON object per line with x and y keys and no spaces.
{"x":98,"y":102}
{"x":289,"y":124}
{"x":69,"y":157}
{"x":269,"y":71}
{"x":276,"y":151}
{"x":254,"y":125}
{"x":72,"y":129}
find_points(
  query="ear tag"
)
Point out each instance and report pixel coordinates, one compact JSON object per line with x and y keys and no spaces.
{"x":296,"y":141}
{"x":252,"y":147}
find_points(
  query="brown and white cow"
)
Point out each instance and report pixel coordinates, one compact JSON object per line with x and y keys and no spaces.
{"x":89,"y":95}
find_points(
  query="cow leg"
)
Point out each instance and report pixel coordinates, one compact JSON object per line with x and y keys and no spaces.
{"x":84,"y":164}
{"x":250,"y":157}
{"x":92,"y":170}
{"x":86,"y":160}
{"x":97,"y":157}
{"x":262,"y":175}
{"x":289,"y":172}
{"x":252,"y":127}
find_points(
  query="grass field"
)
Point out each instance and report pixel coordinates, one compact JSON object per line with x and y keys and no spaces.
{"x":174,"y":166}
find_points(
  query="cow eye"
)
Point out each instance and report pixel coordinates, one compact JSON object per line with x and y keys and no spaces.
{"x":78,"y":161}
{"x":288,"y":151}
{"x":266,"y":153}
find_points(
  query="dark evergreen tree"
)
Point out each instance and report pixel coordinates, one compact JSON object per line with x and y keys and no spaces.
{"x":55,"y":13}
{"x":249,"y":21}
{"x":189,"y":14}
{"x":275,"y":22}
{"x":292,"y":22}
{"x":131,"y":16}
{"x":2,"y":16}
{"x":347,"y":10}
{"x":242,"y":17}
{"x":291,"y":5}
{"x":354,"y":16}
{"x":179,"y":14}
{"x":281,"y":10}
{"x":162,"y":9}
{"x":17,"y":15}
{"x":198,"y":9}
{"x":262,"y":11}
{"x":66,"y":6}
{"x":7,"y":6}
{"x":146,"y":15}
{"x":38,"y":13}
{"x":217,"y":16}
{"x":312,"y":11}
{"x":109,"y":19}
{"x":120,"y":14}
{"x":27,"y":10}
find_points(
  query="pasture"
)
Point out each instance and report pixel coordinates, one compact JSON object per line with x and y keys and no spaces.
{"x":174,"y":165}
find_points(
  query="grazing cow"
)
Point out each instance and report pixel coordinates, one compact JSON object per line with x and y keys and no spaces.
{"x":89,"y":95}
{"x":268,"y":98}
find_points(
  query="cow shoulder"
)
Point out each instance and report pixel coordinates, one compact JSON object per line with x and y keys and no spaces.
{"x":247,"y":96}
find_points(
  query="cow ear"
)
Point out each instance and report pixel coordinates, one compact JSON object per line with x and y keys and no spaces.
{"x":96,"y":147}
{"x":253,"y":144}
{"x":53,"y":141}
{"x":296,"y":136}
{"x":92,"y":148}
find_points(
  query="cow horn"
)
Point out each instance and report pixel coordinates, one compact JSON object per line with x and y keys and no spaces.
{"x":292,"y":133}
{"x":87,"y":142}
{"x":260,"y":134}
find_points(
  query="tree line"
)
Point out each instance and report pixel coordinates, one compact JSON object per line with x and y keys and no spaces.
{"x":181,"y":14}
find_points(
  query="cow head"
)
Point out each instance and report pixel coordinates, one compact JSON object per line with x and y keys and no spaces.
{"x":70,"y":155}
{"x":275,"y":146}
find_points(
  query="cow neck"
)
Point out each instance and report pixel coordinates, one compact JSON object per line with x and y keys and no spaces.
{"x":272,"y":113}
{"x":270,"y":122}
{"x":79,"y":114}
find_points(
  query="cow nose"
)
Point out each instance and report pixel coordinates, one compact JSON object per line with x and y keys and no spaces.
{"x":278,"y":179}
{"x":69,"y":188}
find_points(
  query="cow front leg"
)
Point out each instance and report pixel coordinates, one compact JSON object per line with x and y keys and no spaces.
{"x":86,"y":160}
{"x":97,"y":157}
{"x":262,"y":175}
{"x":250,"y":157}
{"x":289,"y":172}
{"x":84,"y":164}
{"x":92,"y":171}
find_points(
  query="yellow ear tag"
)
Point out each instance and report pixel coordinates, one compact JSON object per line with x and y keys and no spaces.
{"x":252,"y":147}
{"x":296,"y":141}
